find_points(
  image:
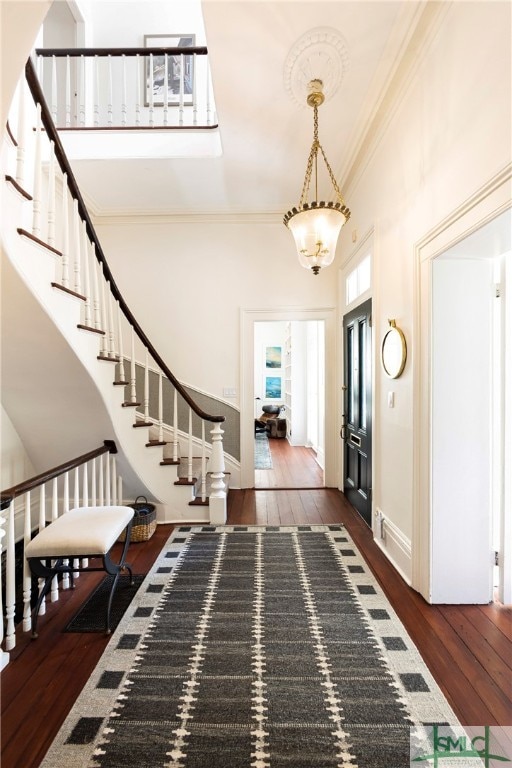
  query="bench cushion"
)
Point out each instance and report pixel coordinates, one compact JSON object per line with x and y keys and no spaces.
{"x":81,"y":531}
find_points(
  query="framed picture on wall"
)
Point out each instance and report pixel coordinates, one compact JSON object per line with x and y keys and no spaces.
{"x":273,"y":357}
{"x":180,"y":71}
{"x":273,"y":387}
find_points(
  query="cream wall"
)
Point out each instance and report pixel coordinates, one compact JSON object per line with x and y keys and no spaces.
{"x":449,"y":135}
{"x":188,"y":281}
{"x":15,"y":465}
{"x":19,"y":25}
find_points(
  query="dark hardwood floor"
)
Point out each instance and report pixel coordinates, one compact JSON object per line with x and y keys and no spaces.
{"x":467,"y":648}
{"x":292,"y":467}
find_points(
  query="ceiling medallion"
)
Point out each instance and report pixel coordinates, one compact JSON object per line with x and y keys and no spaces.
{"x":322,"y":54}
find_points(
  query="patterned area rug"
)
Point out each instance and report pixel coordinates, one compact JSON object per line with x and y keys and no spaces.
{"x":262,"y":456}
{"x":247,"y":646}
{"x":92,"y":615}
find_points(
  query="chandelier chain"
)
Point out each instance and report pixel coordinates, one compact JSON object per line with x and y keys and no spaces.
{"x":313,"y":154}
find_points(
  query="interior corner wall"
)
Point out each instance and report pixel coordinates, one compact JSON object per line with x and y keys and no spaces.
{"x":187,"y":280}
{"x":15,"y":465}
{"x":435,"y":152}
{"x":19,"y":25}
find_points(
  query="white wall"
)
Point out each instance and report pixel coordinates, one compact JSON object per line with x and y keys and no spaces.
{"x":432,"y":154}
{"x":19,"y":25}
{"x":188,"y":280}
{"x":15,"y":465}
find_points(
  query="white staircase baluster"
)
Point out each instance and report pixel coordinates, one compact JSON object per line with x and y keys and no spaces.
{"x":190,"y":446}
{"x":105,"y":338}
{"x":194,"y":95}
{"x":76,"y":503}
{"x":54,"y":93}
{"x":217,"y":500}
{"x":96,"y":92}
{"x":51,"y":196}
{"x":146,"y":388}
{"x":123,"y":103}
{"x":108,"y":496}
{"x":150,"y":87}
{"x":81,"y":93}
{"x":114,"y":481}
{"x":85,"y":500}
{"x":65,"y":232}
{"x":40,"y":68}
{"x":76,"y":495}
{"x":101,"y":491}
{"x":166,"y":88}
{"x":38,"y":172}
{"x":203,"y":462}
{"x":96,"y":297}
{"x":10,"y":582}
{"x":54,"y":595}
{"x":65,"y":508}
{"x":110,"y":93}
{"x":121,"y":349}
{"x":77,"y":266}
{"x":208,"y":112}
{"x":133,"y":382}
{"x":87,"y":277}
{"x":21,"y":138}
{"x":111,"y":328}
{"x":68,"y":92}
{"x":27,"y":579}
{"x":182,"y":86}
{"x":175,"y":427}
{"x":94,"y":497}
{"x":137,"y":80}
{"x":42,"y":524}
{"x":120,"y":491}
{"x":4,"y":657}
{"x":160,"y":409}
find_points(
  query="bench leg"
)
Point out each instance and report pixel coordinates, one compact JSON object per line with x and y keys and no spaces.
{"x":114,"y":569}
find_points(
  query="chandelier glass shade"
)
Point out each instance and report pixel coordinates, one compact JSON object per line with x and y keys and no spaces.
{"x":316,"y":225}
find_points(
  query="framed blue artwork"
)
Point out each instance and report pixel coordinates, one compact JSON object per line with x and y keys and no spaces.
{"x":273,"y":357}
{"x":273,"y":387}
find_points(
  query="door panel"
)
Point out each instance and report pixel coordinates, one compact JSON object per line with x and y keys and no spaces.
{"x":357,"y":427}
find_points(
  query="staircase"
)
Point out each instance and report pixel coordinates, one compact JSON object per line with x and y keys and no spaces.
{"x":65,"y":371}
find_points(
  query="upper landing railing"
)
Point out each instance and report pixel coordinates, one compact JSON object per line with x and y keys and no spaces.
{"x":127,"y":88}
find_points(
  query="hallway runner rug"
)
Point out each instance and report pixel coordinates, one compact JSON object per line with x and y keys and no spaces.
{"x":260,"y":647}
{"x":262,"y":455}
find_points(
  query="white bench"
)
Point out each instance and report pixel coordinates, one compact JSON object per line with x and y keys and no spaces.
{"x":83,"y":532}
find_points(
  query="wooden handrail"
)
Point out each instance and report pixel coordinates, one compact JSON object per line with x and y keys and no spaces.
{"x":46,"y":119}
{"x":174,"y":51}
{"x":9,"y":494}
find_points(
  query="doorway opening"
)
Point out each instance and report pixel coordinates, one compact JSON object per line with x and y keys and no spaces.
{"x":303,"y":382}
{"x":289,"y":403}
{"x":470,"y":418}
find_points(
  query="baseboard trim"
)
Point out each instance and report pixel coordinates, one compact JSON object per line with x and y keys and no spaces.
{"x":395,"y":545}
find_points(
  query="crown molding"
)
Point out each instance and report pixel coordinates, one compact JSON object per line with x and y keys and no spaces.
{"x":210,"y":217}
{"x":416,"y":28}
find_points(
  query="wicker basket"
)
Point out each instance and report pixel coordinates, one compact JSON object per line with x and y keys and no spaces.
{"x":144,"y":520}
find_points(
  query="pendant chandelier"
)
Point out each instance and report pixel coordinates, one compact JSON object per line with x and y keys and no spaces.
{"x":316,"y":225}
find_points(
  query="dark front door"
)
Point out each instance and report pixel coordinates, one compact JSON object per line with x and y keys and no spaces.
{"x":356,"y":430}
